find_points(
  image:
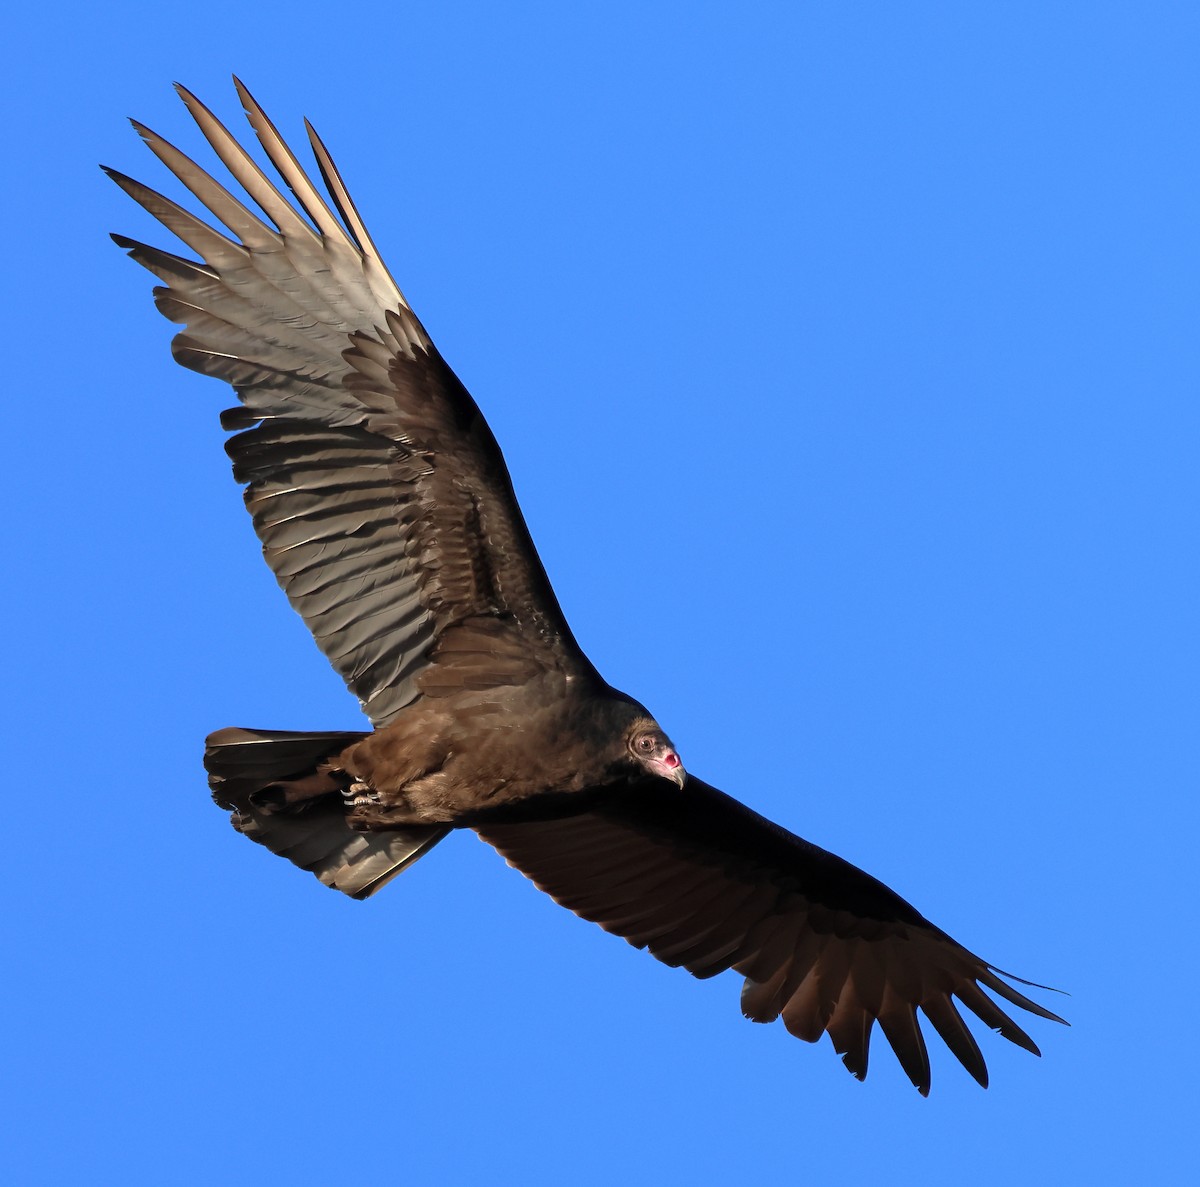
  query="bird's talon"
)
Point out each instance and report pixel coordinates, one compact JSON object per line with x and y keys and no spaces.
{"x":360,"y":795}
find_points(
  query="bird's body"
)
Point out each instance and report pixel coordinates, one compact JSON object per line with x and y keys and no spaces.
{"x":386,"y":512}
{"x":450,"y":764}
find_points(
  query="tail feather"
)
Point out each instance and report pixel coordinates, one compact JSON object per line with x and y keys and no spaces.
{"x":245,"y":768}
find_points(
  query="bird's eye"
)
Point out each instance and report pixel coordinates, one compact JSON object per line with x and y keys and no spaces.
{"x":644,"y":744}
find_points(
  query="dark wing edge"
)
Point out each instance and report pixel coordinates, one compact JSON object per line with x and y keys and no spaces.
{"x":704,"y":883}
{"x":381,"y":499}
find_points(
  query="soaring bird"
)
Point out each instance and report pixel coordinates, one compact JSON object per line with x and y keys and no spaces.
{"x":386,"y":512}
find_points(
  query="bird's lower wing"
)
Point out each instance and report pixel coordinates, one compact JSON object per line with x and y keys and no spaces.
{"x":702,"y":882}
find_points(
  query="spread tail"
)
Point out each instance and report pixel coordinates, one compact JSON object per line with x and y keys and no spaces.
{"x":273,"y":783}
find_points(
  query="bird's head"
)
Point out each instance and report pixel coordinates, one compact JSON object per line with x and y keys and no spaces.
{"x":652,"y":751}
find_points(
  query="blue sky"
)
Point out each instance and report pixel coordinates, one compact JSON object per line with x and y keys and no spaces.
{"x":845,"y":360}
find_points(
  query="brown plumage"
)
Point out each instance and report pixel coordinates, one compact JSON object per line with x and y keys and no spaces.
{"x":386,"y":512}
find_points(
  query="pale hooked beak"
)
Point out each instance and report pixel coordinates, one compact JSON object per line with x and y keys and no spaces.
{"x":670,"y":767}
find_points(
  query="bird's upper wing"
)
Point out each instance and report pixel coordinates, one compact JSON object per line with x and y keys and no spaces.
{"x":379,"y":494}
{"x":702,"y":881}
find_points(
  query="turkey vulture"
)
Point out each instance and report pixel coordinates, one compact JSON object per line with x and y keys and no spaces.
{"x":387,"y":514}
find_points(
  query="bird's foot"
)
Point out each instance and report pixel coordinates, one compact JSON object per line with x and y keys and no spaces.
{"x":360,"y":795}
{"x":368,"y":809}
